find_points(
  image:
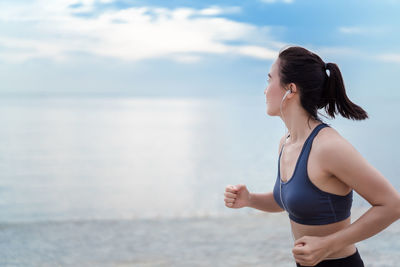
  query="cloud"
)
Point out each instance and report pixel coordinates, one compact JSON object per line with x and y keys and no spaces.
{"x":358,"y":30}
{"x":351,"y":30}
{"x":337,"y":51}
{"x":356,"y":53}
{"x":394,"y":58}
{"x":277,"y":1}
{"x":218,"y":11}
{"x":255,"y":51}
{"x":49,"y":29}
{"x":21,"y":50}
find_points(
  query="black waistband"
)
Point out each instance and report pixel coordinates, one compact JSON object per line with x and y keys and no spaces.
{"x":353,"y":260}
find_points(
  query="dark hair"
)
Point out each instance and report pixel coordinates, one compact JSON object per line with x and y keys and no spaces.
{"x":317,"y":89}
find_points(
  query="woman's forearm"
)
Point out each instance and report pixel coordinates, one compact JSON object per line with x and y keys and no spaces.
{"x":370,"y":223}
{"x":264,"y":202}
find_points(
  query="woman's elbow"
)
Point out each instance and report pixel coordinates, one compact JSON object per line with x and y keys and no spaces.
{"x":397,"y":208}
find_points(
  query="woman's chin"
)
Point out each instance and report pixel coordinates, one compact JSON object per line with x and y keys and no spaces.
{"x":269,"y":112}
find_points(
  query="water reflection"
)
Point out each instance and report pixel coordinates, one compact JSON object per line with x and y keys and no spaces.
{"x":113,"y":158}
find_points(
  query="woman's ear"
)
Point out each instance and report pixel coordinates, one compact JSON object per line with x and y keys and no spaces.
{"x":292,"y":87}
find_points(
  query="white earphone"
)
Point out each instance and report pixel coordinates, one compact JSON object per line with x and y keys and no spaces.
{"x":287,"y":92}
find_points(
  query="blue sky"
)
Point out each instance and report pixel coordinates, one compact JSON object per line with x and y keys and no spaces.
{"x":188,"y":48}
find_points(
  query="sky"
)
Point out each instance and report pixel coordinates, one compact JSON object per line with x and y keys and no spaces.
{"x":182,"y":48}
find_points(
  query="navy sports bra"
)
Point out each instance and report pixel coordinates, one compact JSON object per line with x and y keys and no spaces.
{"x":306,"y":203}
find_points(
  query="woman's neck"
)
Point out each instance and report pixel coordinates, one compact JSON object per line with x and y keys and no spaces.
{"x":300,"y":128}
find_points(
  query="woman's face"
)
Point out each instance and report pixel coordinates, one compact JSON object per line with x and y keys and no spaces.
{"x":274,"y":92}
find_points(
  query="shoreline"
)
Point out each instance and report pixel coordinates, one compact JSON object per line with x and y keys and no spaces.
{"x":262,"y":239}
{"x":356,"y":212}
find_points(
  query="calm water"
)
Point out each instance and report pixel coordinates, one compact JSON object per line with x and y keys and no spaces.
{"x":122,"y":158}
{"x":140,"y":182}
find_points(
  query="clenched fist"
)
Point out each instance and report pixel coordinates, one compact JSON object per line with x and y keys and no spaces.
{"x":236,"y":196}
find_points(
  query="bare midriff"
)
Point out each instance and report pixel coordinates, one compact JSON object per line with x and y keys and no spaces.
{"x":300,"y":230}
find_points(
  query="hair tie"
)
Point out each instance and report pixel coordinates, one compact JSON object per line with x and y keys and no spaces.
{"x":327,"y":71}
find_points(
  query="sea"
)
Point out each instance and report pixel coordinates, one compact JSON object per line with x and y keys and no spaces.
{"x":139,"y":181}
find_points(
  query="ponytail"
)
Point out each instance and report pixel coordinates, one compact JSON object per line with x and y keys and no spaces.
{"x":317,"y":90}
{"x":334,"y":97}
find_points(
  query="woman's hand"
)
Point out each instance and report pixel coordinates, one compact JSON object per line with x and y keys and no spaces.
{"x":236,"y":196}
{"x":310,"y":250}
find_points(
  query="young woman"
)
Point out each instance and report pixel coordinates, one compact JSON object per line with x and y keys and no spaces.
{"x":318,"y":169}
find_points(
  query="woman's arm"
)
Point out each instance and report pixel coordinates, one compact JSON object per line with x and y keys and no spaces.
{"x":237,"y":196}
{"x":338,"y":157}
{"x":264,"y":202}
{"x":346,"y":163}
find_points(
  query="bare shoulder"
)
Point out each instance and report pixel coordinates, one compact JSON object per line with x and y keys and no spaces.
{"x":338,"y":157}
{"x":330,"y":148}
{"x":330,"y":140}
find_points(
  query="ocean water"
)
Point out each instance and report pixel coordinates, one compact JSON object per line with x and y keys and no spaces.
{"x":122,"y":172}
